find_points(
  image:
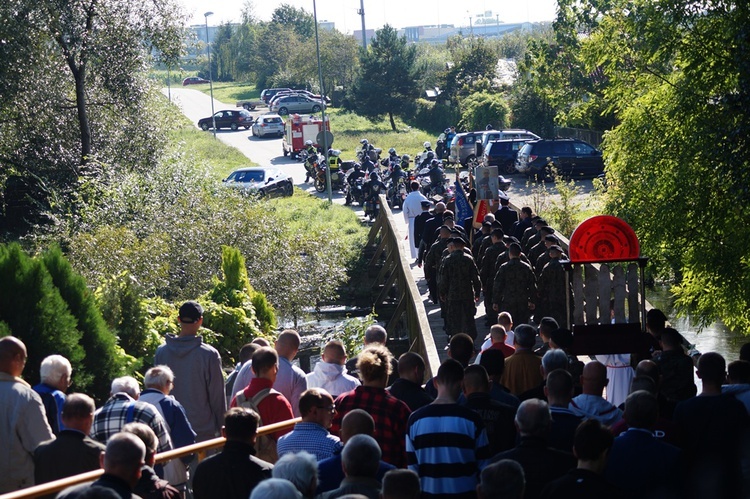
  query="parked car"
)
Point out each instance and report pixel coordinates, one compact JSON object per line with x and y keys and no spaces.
{"x":296,"y":104}
{"x":512,"y":133}
{"x":194,"y":80}
{"x":268,"y":124}
{"x":261,"y":181}
{"x":571,"y":157}
{"x":502,"y":153}
{"x":267,"y":93}
{"x":306,"y":93}
{"x":463,"y":148}
{"x":228,"y":118}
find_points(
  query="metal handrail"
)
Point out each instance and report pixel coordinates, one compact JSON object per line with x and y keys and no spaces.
{"x":200,"y":449}
{"x":410,"y":299}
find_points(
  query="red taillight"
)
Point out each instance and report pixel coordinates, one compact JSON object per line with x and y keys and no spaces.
{"x":461,"y":141}
{"x":532,"y":158}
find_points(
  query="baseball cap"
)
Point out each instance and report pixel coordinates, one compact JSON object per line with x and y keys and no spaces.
{"x":190,"y":312}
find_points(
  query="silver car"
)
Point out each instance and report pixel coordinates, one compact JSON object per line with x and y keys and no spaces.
{"x":261,"y":181}
{"x":268,"y":124}
{"x":296,"y":104}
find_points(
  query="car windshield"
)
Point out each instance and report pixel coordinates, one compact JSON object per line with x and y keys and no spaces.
{"x":271,"y":120}
{"x":247,"y":176}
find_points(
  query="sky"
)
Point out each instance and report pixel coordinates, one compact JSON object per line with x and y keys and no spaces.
{"x":397,"y":13}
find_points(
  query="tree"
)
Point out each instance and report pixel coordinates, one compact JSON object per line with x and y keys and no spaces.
{"x":678,"y":164}
{"x":474,"y":61}
{"x":301,"y":21}
{"x":386,"y":80}
{"x":481,"y":108}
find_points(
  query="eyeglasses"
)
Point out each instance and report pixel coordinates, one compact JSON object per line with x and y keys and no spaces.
{"x":331,"y":408}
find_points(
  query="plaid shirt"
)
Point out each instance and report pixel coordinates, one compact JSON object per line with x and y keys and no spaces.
{"x":390,"y":414}
{"x":310,"y":437}
{"x":113,"y":415}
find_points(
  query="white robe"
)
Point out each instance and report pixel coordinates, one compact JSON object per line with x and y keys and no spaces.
{"x":620,"y":373}
{"x":411,"y":209}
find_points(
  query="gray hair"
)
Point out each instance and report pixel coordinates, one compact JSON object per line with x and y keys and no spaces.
{"x":533,"y":417}
{"x":277,"y":488}
{"x":126,"y":384}
{"x":361,"y":456}
{"x":554,"y":359}
{"x":300,"y":468}
{"x":158,"y":377}
{"x":53,"y":369}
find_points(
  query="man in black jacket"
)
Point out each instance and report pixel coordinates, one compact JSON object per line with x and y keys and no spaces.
{"x":235,"y":472}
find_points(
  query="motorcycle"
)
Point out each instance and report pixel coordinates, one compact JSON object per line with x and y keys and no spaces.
{"x":354,"y":189}
{"x":311,"y":163}
{"x":338,"y":176}
{"x":397,"y":192}
{"x":372,"y":152}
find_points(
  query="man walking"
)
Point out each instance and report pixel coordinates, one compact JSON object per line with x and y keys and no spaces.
{"x":412,"y":208}
{"x":459,"y":287}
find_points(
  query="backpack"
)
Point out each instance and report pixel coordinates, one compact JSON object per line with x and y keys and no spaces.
{"x":265,"y":445}
{"x":175,"y":471}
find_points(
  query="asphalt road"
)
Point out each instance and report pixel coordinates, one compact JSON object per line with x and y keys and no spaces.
{"x":268,"y":151}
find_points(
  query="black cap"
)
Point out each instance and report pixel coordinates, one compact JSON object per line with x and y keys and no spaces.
{"x":551,"y":238}
{"x":496,"y":224}
{"x":190,"y":312}
{"x":547,"y":229}
{"x":447,"y":216}
{"x":486,"y":224}
{"x":557,"y":248}
{"x":426,"y":204}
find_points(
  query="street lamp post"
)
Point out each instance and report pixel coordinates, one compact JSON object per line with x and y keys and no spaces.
{"x":322,"y":109}
{"x":210,"y":75}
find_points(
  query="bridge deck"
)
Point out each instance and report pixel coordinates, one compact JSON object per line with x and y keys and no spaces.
{"x":433,"y":311}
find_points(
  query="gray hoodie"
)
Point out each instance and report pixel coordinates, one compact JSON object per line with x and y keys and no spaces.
{"x":198,"y":384}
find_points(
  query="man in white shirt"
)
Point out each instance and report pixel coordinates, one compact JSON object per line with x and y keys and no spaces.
{"x":411,"y":209}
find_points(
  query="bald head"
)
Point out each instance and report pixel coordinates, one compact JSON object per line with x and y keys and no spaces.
{"x":12,"y":355}
{"x":376,"y":334}
{"x":356,"y":422}
{"x":287,"y":344}
{"x":440,"y":207}
{"x":334,"y":352}
{"x":594,"y":378}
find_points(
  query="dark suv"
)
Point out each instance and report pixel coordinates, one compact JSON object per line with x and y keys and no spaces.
{"x":502,"y":153}
{"x":571,"y":157}
{"x":227,"y":118}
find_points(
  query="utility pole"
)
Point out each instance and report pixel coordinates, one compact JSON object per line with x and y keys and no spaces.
{"x":361,"y":12}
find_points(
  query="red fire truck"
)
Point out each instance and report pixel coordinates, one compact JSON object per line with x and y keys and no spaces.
{"x":301,"y":128}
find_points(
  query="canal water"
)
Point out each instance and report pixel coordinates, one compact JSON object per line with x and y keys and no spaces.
{"x":713,"y":338}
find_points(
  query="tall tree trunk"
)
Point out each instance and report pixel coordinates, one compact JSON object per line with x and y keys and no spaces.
{"x":83,"y":117}
{"x":393,"y":123}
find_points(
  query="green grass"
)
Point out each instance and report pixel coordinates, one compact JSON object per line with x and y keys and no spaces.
{"x":231,"y":92}
{"x":204,"y":149}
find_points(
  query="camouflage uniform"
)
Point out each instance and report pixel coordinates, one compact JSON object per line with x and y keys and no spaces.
{"x":532,"y":241}
{"x":538,"y":250}
{"x":459,"y":286}
{"x":514,"y":288}
{"x":431,"y":263}
{"x":544,"y":260}
{"x":553,"y":284}
{"x":486,"y":243}
{"x":487,"y":273}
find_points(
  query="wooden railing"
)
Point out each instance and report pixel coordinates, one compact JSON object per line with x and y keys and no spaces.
{"x":201,"y":449}
{"x":396,"y":278}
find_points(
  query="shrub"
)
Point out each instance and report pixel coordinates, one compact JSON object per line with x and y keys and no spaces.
{"x":481,"y":108}
{"x":34,"y":311}
{"x":103,"y":361}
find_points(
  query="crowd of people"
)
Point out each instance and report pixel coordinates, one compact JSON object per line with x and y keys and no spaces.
{"x":519,"y":417}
